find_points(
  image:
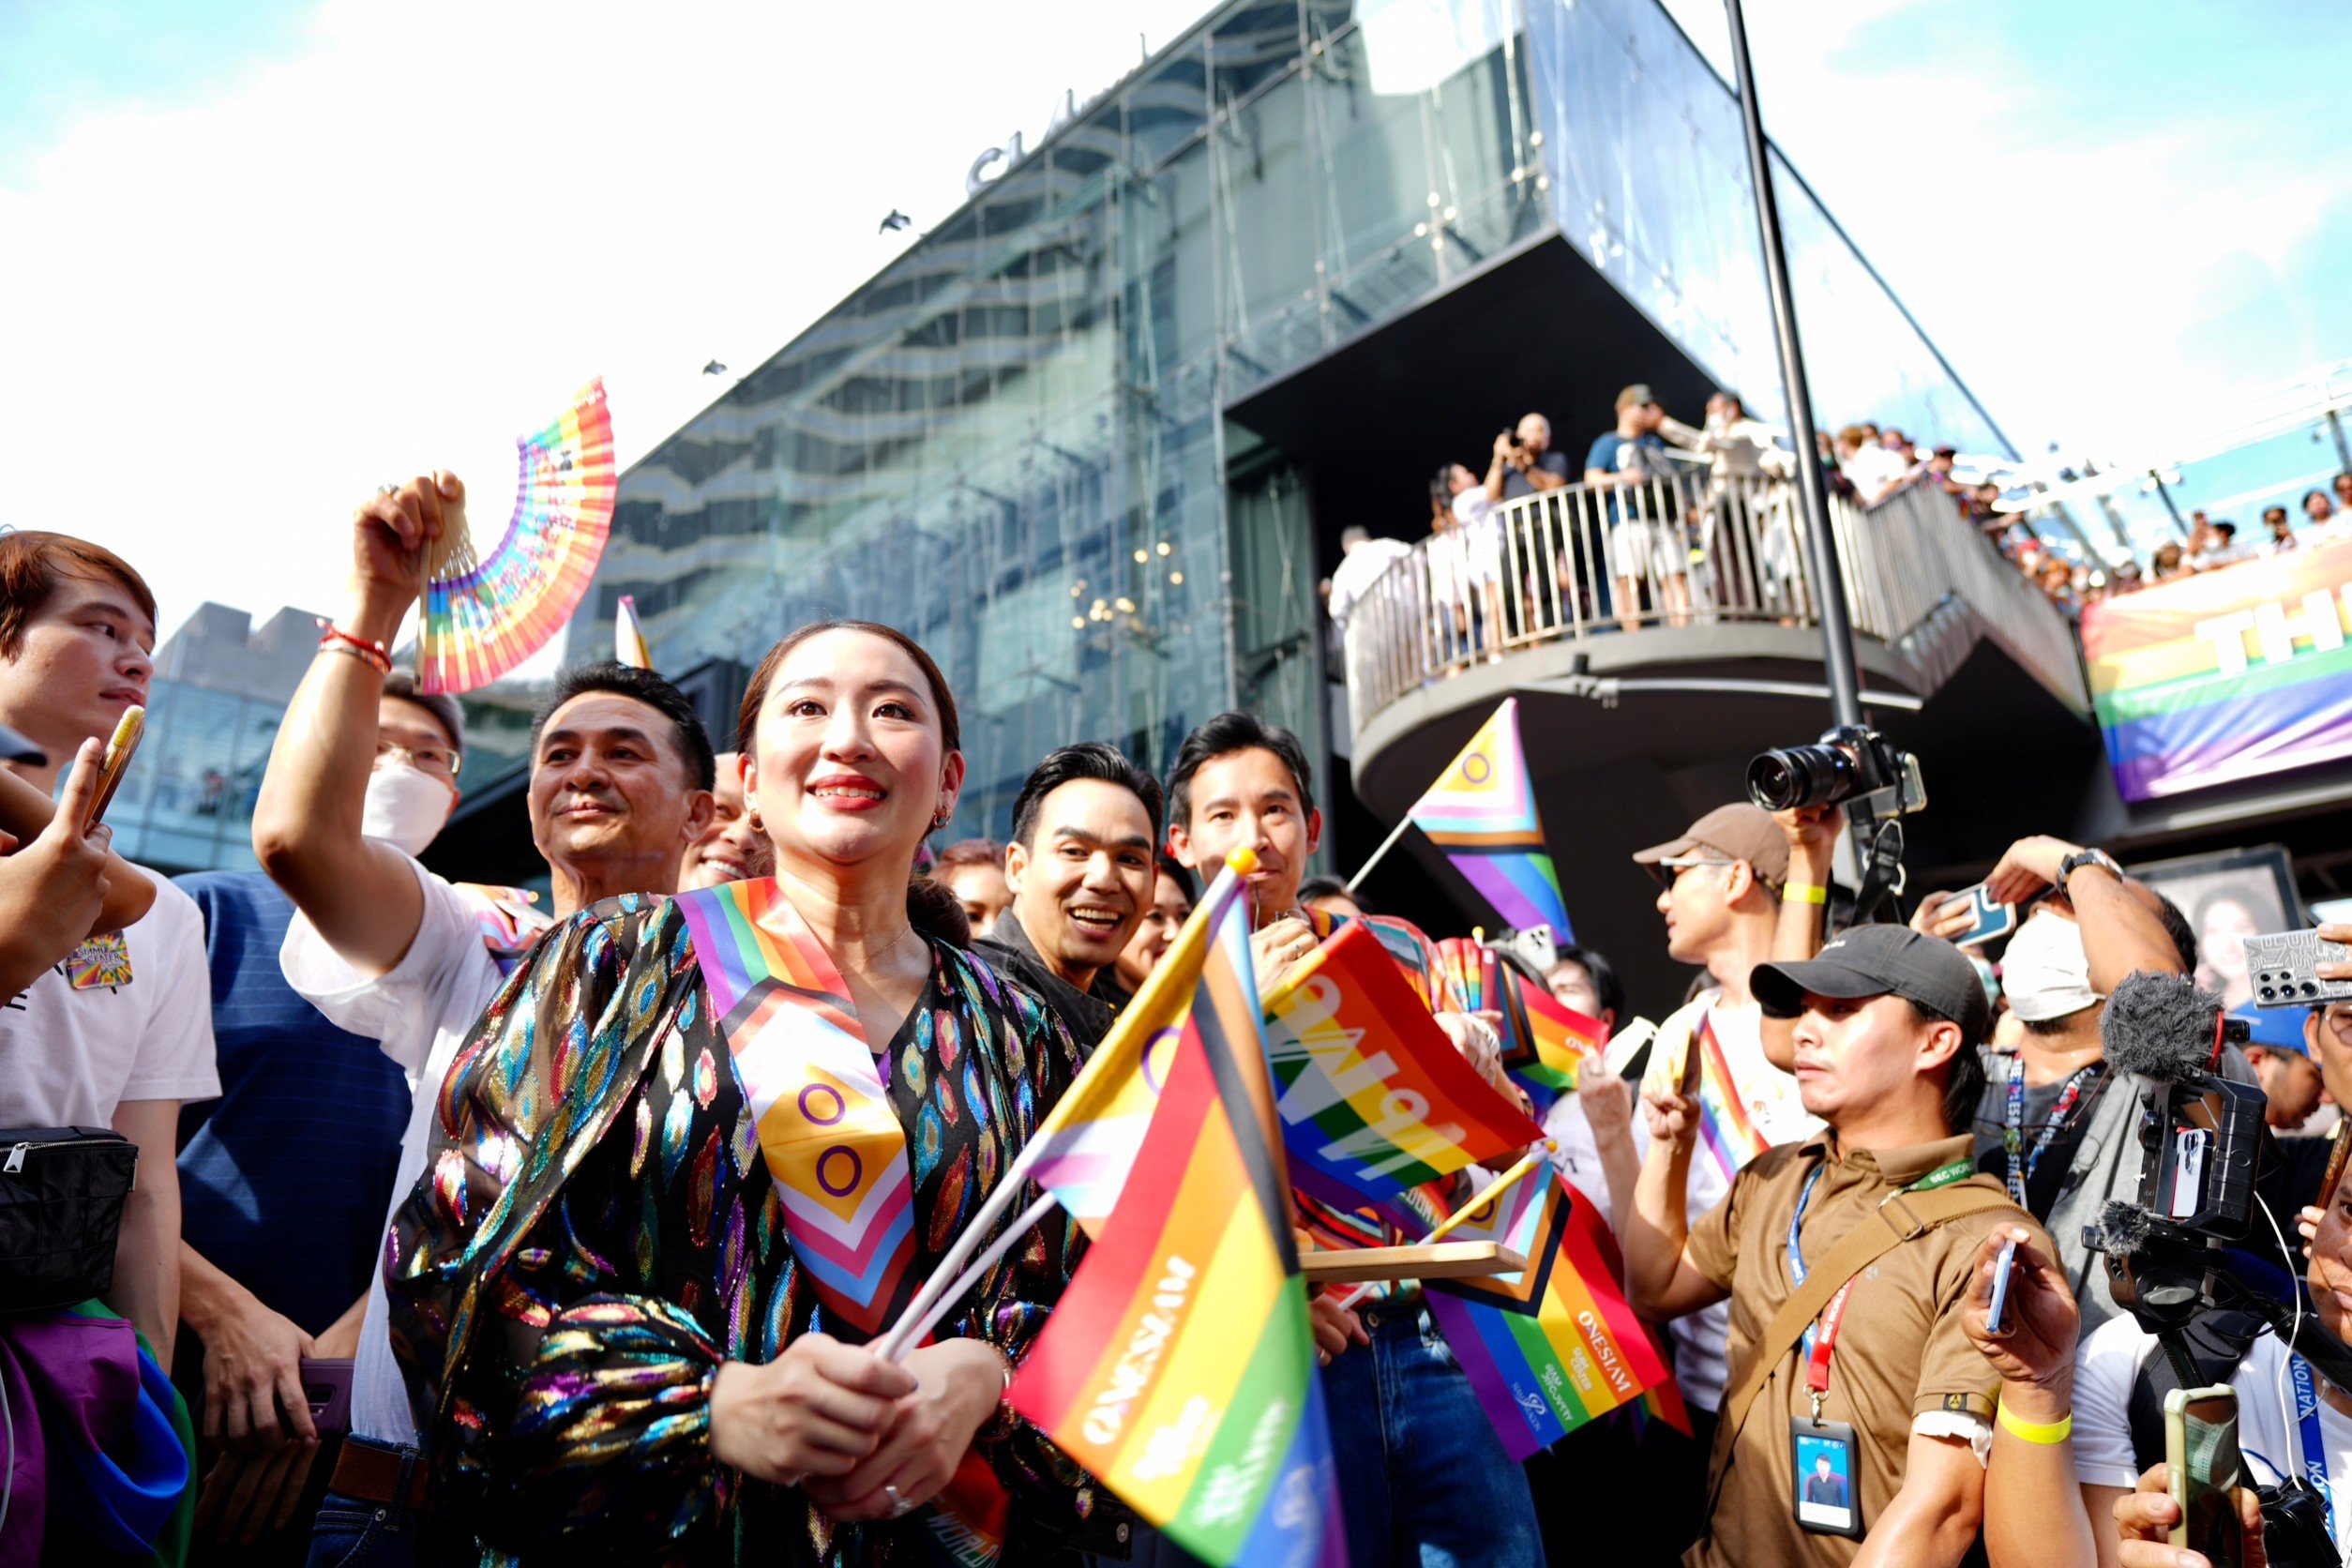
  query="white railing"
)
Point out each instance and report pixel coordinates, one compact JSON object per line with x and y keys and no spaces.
{"x":1581,"y":562}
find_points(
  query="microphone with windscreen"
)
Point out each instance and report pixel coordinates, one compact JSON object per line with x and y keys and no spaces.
{"x":2201,"y":1133}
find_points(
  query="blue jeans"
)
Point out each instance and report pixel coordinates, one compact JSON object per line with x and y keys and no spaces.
{"x":1423,"y":1481}
{"x":354,"y":1534}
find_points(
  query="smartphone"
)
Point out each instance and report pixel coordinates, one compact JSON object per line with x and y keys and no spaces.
{"x":1986,"y":919}
{"x":1997,"y":1315}
{"x":128,"y":731}
{"x":326,"y":1387}
{"x":2201,"y":1455}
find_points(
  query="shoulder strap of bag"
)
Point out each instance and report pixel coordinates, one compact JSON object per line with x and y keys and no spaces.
{"x":1905,"y":1217}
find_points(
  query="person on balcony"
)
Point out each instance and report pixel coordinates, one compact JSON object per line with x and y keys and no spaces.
{"x":2318,"y":510}
{"x":1449,"y":569}
{"x":1524,"y":461}
{"x":2282,"y":538}
{"x":1873,"y":471}
{"x":1629,"y":466}
{"x":2212,"y":544}
{"x":1741,"y":453}
{"x":1364,"y":561}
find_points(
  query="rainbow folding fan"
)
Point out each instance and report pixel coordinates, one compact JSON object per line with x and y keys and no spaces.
{"x":485,"y":615}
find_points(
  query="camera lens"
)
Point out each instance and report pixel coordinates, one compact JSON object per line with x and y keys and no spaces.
{"x":1798,"y":776}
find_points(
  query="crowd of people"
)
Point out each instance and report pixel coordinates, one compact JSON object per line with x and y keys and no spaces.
{"x":1634,"y":554}
{"x":473,"y":1229}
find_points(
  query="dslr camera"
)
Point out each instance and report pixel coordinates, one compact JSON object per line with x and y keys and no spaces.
{"x":1850,"y":764}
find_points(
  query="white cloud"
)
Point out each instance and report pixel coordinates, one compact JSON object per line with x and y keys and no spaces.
{"x":407,"y":244}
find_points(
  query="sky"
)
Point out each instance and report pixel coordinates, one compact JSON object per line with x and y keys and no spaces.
{"x":263,"y":254}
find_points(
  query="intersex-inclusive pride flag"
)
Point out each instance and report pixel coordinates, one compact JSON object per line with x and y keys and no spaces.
{"x":1179,"y":1367}
{"x":1481,"y":812}
{"x":1089,"y":1140}
{"x":1373,"y":1098}
{"x":1554,"y":1346}
{"x":628,"y":638}
{"x":1547,"y":1041}
{"x":2224,"y":675}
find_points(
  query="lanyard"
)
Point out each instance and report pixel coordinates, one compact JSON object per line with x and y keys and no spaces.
{"x":2022,"y":1165}
{"x":2308,"y":1434}
{"x":1817,"y":1348}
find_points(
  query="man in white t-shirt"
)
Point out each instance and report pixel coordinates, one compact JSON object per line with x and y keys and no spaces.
{"x":2280,"y":1405}
{"x":120,"y":1033}
{"x":621,"y":779}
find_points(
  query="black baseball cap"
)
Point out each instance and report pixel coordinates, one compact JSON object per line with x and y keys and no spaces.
{"x":1883,"y":960}
{"x":16,"y":748}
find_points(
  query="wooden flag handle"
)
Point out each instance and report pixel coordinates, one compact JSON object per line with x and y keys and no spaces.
{"x":1446,"y":1227}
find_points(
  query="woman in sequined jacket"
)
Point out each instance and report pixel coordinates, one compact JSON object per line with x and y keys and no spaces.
{"x":633,"y":1327}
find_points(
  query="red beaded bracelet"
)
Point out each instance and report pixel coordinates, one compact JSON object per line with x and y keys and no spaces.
{"x":374,"y":654}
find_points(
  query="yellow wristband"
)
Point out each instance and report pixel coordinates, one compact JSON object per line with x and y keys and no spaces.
{"x":1804,"y":893}
{"x":2052,"y":1432}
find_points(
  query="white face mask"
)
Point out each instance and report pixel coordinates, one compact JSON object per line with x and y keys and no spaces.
{"x":406,"y":806}
{"x":2044,"y":972}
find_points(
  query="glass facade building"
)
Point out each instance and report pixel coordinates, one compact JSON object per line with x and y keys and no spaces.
{"x":1016,"y":442}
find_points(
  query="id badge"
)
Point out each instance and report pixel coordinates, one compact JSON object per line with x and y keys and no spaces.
{"x":1825,"y":1482}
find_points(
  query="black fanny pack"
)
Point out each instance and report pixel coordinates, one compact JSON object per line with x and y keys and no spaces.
{"x":61,"y":1209}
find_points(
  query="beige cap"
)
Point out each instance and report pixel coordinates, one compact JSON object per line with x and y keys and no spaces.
{"x":1741,"y":831}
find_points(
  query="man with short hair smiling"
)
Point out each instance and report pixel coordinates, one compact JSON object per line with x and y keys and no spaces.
{"x":1080,"y":869}
{"x":621,"y":776}
{"x":1887,"y":1026}
{"x":732,"y":848}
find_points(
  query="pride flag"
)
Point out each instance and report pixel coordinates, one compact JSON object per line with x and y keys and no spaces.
{"x":1726,"y":1127}
{"x":1373,"y":1098}
{"x":1179,"y":1367}
{"x":1547,"y":1041}
{"x":1089,"y":1140}
{"x":2224,"y":675}
{"x":628,"y":638}
{"x":1481,"y":812}
{"x":1555,"y":1345}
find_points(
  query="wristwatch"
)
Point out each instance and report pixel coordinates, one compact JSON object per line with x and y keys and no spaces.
{"x":2081,"y":858}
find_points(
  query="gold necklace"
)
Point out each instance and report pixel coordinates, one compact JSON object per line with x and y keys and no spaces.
{"x":896,"y":942}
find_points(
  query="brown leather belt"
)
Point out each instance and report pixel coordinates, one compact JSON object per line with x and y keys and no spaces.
{"x":372,"y":1474}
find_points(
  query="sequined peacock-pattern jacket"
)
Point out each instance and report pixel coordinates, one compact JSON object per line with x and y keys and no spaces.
{"x":596,"y":1231}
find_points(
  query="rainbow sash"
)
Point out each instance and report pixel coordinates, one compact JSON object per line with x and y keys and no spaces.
{"x":826,"y":1127}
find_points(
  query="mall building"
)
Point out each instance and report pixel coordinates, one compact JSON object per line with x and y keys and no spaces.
{"x":1094,"y":438}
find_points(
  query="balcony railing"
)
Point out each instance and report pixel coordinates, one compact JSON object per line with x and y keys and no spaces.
{"x":1581,"y":564}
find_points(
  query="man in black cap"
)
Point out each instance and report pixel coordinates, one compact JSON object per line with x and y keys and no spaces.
{"x":1887,"y":1026}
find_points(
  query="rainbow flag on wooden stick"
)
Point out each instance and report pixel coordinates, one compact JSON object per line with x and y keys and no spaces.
{"x":1088,"y":1141}
{"x":1555,"y":1346}
{"x":1179,"y":1367}
{"x":1374,"y":1099}
{"x":1546,"y":1043}
{"x":1481,"y":812}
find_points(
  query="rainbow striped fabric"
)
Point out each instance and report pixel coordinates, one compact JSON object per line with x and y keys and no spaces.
{"x":2225,"y":675}
{"x":1727,"y":1128}
{"x":1179,"y":1367}
{"x":826,"y":1127}
{"x":1547,"y":1041}
{"x":1481,"y":812}
{"x":1555,"y":1346}
{"x":491,"y":614}
{"x":1374,"y":1099}
{"x":1088,"y":1141}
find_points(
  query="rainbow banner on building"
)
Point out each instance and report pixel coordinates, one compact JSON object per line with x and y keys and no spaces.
{"x":1089,"y":1140}
{"x":1179,"y":1367}
{"x":1482,"y":813}
{"x":1373,"y":1098}
{"x":1555,"y":1346}
{"x":2225,"y":675}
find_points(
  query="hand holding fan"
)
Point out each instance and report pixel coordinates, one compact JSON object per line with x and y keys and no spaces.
{"x":483,"y":615}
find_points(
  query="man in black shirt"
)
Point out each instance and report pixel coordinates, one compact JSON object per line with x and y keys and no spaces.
{"x":1080,"y":867}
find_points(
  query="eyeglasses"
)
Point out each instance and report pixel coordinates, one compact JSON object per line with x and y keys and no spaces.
{"x":2338,"y":1017}
{"x":441,"y":759}
{"x":1668,"y":871}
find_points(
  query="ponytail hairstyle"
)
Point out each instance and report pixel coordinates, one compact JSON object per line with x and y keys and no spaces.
{"x":932,"y":908}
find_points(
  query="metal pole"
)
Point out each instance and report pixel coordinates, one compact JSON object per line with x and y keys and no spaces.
{"x":1837,"y":628}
